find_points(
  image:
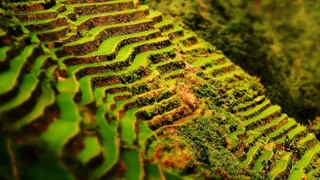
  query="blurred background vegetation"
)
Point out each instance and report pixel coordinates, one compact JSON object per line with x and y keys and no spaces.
{"x":277,"y":41}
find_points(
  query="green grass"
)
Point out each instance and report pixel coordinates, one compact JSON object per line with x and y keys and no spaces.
{"x":299,"y":129}
{"x":172,"y":73}
{"x":309,"y":137}
{"x":265,"y":113}
{"x":280,"y":166}
{"x":68,"y":85}
{"x":92,"y":149}
{"x":45,"y":99}
{"x":86,"y":89}
{"x":251,"y":103}
{"x":123,"y":54}
{"x":164,"y":22}
{"x":93,"y":33}
{"x":128,"y":135}
{"x":211,"y":70}
{"x":133,"y":164}
{"x":252,"y":151}
{"x":273,"y":123}
{"x":29,"y":83}
{"x":251,"y":111}
{"x":110,"y":147}
{"x":185,"y":37}
{"x":68,"y":124}
{"x":144,"y":133}
{"x":109,"y":46}
{"x":207,"y":60}
{"x":40,"y":61}
{"x":291,"y":122}
{"x":153,"y":171}
{"x":3,"y":51}
{"x":172,"y":176}
{"x":100,"y":93}
{"x":117,"y":139}
{"x":297,"y":169}
{"x":153,"y":14}
{"x":9,"y":78}
{"x":56,"y":29}
{"x":85,"y":82}
{"x":196,"y":47}
{"x":175,"y":29}
{"x":266,"y":155}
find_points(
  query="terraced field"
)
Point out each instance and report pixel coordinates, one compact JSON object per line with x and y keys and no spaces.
{"x":100,"y":89}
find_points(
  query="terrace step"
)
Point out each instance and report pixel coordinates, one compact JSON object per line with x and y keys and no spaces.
{"x":110,"y":18}
{"x":220,"y":69}
{"x":228,"y":75}
{"x":110,"y":146}
{"x":45,"y":24}
{"x":92,"y":149}
{"x":68,"y":124}
{"x":174,"y":33}
{"x":164,"y":25}
{"x":265,"y":117}
{"x":111,"y":99}
{"x":256,"y":110}
{"x":53,"y":34}
{"x":10,"y":77}
{"x":198,"y":49}
{"x":169,"y":117}
{"x":110,"y":48}
{"x":274,"y":125}
{"x":252,"y":154}
{"x":98,"y":80}
{"x":30,"y":111}
{"x":187,"y":40}
{"x":100,"y":34}
{"x":266,"y":155}
{"x":283,"y":130}
{"x":161,"y":56}
{"x":3,"y":52}
{"x":28,"y":85}
{"x":170,"y":66}
{"x":297,"y":169}
{"x":86,"y":1}
{"x":128,"y":123}
{"x":282,"y":166}
{"x":210,"y":61}
{"x":153,"y":96}
{"x":250,"y":104}
{"x":39,"y":15}
{"x":133,"y":162}
{"x":102,"y":7}
{"x":148,"y":112}
{"x":155,"y":16}
{"x":309,"y":141}
{"x":179,"y":73}
{"x":295,"y":133}
{"x":126,"y":56}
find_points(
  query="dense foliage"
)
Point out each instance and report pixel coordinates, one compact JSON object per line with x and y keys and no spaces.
{"x":274,"y":40}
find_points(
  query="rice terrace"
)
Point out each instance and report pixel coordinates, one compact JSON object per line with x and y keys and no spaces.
{"x":114,"y":89}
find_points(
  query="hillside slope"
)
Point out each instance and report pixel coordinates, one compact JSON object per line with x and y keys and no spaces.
{"x":112,"y":89}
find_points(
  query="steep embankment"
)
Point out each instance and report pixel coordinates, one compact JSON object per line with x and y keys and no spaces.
{"x":113,"y":89}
